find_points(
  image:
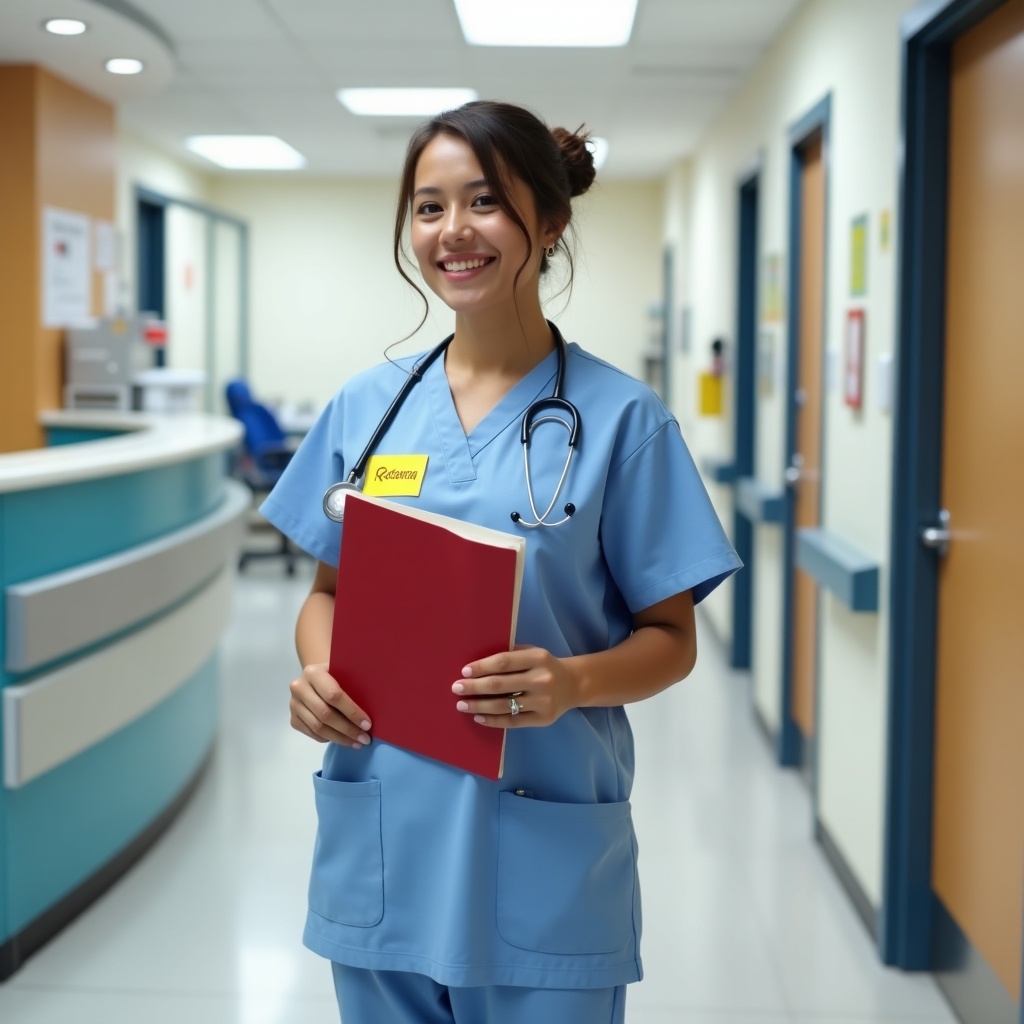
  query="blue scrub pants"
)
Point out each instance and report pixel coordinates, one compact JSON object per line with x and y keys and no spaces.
{"x":401,"y":997}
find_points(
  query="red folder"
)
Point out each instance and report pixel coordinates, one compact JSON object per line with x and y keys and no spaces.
{"x":419,"y":596}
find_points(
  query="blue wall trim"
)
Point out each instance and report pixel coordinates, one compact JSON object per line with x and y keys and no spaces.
{"x":759,"y":502}
{"x":718,"y":471}
{"x":839,"y":567}
{"x":867,"y":912}
{"x":907,"y":903}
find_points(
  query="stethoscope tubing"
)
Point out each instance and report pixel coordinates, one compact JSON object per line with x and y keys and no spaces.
{"x":333,"y":500}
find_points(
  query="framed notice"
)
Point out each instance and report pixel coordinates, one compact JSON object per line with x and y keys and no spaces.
{"x":67,"y":267}
{"x":853,"y":362}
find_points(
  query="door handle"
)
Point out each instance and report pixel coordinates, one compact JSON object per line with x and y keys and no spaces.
{"x":794,"y":471}
{"x":938,"y":537}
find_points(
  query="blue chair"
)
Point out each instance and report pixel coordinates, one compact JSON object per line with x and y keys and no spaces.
{"x":238,"y":395}
{"x":266,"y":450}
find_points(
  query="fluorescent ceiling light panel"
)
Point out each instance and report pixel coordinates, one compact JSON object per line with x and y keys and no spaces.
{"x":247,"y":152}
{"x":124,"y":66}
{"x":403,"y":102}
{"x":599,"y":148}
{"x":65,"y":26}
{"x":546,"y":22}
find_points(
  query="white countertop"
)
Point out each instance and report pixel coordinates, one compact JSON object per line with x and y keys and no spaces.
{"x":149,"y":440}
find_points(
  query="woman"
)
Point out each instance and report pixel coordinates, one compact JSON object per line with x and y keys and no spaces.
{"x":439,"y":895}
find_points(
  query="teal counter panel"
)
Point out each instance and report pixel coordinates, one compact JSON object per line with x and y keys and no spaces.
{"x":76,"y":435}
{"x":65,"y":825}
{"x":71,"y":822}
{"x":54,"y":528}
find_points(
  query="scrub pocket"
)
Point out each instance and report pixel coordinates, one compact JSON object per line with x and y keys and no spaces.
{"x":566,"y":875}
{"x":347,"y":883}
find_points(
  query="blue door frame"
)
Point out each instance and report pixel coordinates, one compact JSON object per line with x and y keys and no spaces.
{"x":818,"y":119}
{"x":906,"y":918}
{"x":746,"y":406}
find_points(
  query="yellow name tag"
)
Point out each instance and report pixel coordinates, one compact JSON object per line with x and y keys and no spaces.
{"x":395,"y":475}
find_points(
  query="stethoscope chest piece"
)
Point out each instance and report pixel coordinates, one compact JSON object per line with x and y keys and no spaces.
{"x":334,"y":500}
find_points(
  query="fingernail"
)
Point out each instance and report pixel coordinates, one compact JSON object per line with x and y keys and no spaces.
{"x":364,"y":739}
{"x":458,"y":688}
{"x":479,"y":719}
{"x":364,"y":724}
{"x":467,"y":671}
{"x":462,"y":705}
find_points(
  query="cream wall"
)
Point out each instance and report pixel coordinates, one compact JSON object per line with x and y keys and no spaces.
{"x":326,"y":299}
{"x":848,"y":49}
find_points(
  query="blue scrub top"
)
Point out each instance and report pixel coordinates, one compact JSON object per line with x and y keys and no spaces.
{"x":530,"y":880}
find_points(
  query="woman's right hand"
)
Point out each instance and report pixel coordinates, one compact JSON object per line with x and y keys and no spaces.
{"x":321,"y":710}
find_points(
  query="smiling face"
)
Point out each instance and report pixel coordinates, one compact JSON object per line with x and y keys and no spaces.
{"x":468,"y":248}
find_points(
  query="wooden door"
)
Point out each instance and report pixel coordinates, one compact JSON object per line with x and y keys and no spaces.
{"x":978,"y":837}
{"x":806,"y":466}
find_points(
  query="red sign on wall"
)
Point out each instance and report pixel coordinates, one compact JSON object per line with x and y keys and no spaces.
{"x":853,"y":363}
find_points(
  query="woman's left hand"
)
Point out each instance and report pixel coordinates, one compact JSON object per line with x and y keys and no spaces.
{"x":542,"y":686}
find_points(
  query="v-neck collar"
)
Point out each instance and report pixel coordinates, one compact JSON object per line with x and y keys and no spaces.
{"x":460,"y":448}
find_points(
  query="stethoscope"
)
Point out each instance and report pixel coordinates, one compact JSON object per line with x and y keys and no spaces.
{"x":544,"y":410}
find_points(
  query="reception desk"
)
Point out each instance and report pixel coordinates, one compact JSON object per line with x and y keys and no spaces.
{"x":117,"y":554}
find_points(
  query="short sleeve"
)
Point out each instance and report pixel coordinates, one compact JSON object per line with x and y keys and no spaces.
{"x":295,"y":505}
{"x":659,"y":531}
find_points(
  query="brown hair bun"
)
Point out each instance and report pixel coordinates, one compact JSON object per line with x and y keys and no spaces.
{"x":578,"y":158}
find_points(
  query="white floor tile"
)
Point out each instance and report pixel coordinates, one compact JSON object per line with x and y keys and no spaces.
{"x":744,"y":921}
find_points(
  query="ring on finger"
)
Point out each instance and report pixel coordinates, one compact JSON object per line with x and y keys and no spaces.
{"x":514,"y":707}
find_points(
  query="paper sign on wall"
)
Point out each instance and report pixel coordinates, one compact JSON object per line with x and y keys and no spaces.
{"x":859,"y":255}
{"x":67,"y":281}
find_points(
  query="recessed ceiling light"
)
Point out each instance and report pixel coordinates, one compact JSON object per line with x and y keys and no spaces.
{"x":124,"y":66}
{"x":403,"y":102}
{"x":546,"y":22}
{"x":599,"y":147}
{"x":65,"y":26}
{"x":247,"y":152}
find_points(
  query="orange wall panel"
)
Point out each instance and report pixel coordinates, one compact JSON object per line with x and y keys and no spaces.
{"x":19,"y":260}
{"x":60,"y":148}
{"x":77,"y":170}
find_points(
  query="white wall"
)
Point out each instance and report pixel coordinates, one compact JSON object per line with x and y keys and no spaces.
{"x":326,"y":299}
{"x":849,"y":48}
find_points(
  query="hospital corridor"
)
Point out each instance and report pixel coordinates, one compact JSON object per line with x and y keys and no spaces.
{"x":744,"y":922}
{"x":662,"y":312}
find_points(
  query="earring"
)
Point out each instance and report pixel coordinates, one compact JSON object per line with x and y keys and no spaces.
{"x":550,"y":252}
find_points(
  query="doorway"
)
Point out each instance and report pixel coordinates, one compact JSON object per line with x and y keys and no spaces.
{"x":954,"y":898}
{"x":806,"y":326}
{"x":193,"y":272}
